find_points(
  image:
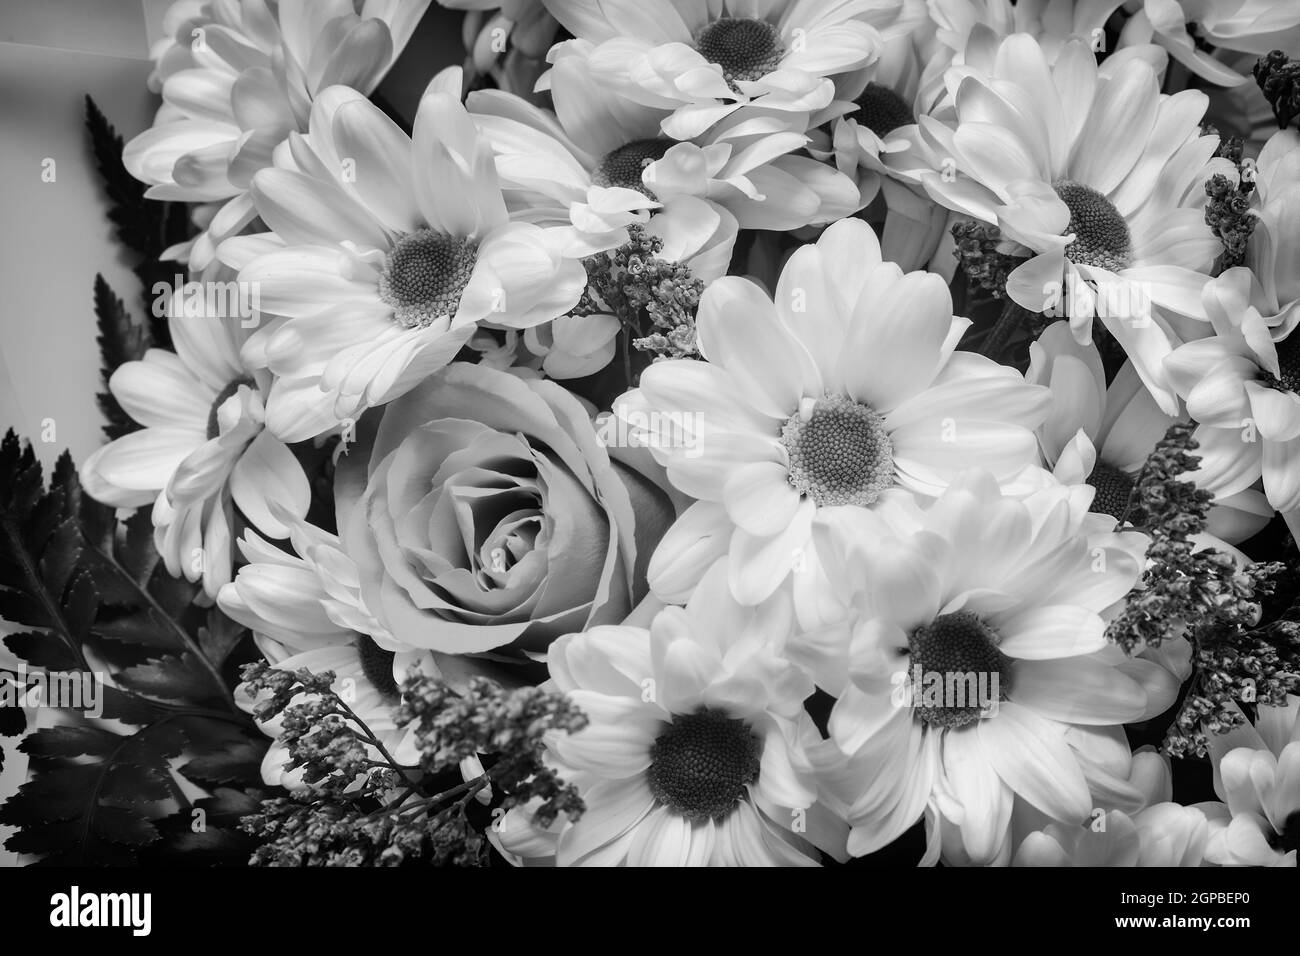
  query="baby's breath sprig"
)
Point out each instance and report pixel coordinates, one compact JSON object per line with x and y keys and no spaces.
{"x":1277,"y":75}
{"x":1228,"y":214}
{"x":363,"y":808}
{"x":1203,"y":596}
{"x":976,"y":248}
{"x":655,"y":299}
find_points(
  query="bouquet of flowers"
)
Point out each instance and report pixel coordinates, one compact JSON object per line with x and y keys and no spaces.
{"x":703,"y":432}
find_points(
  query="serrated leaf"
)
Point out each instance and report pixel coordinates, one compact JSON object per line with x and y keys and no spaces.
{"x":146,"y":629}
{"x":41,"y":650}
{"x":118,"y":825}
{"x":120,"y":340}
{"x":69,"y":741}
{"x":145,"y":226}
{"x":230,"y":756}
{"x":12,"y":720}
{"x":95,"y":789}
{"x":80,"y":606}
{"x":220,"y":637}
{"x":175,"y":678}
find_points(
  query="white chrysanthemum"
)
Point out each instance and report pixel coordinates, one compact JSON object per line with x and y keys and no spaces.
{"x":694,"y":751}
{"x":1192,"y":30}
{"x":393,"y":251}
{"x":703,"y":62}
{"x":306,"y":611}
{"x":1257,"y":775}
{"x":1273,"y":248}
{"x":236,"y":78}
{"x":601,"y":162}
{"x":1053,"y":23}
{"x":839,"y":395}
{"x":873,"y":111}
{"x":1243,"y":385}
{"x":1102,"y":435}
{"x":1095,"y":176}
{"x":203,"y":448}
{"x":974,"y":666}
{"x":1161,"y":833}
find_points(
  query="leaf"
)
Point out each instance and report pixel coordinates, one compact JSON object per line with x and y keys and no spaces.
{"x":228,"y":756}
{"x":121,"y":340}
{"x":78,"y":579}
{"x":145,"y":226}
{"x":221,"y":636}
{"x":71,"y":741}
{"x":208,"y":833}
{"x":123,"y":826}
{"x":41,"y":650}
{"x":175,"y":678}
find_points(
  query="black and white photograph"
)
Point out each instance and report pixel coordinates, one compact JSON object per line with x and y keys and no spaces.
{"x":498,"y":434}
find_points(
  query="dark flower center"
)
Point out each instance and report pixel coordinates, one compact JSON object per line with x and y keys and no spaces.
{"x":746,"y":48}
{"x":701,"y":764}
{"x":424,"y":276}
{"x":956,"y":655}
{"x":377,"y":665}
{"x":881,"y":110}
{"x":840,"y":454}
{"x":1101,"y":236}
{"x":1288,"y":362}
{"x":624,"y":166}
{"x":214,"y":427}
{"x":1114,"y":487}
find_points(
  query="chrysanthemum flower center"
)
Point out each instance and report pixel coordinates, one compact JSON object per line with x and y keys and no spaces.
{"x":746,"y":48}
{"x":1288,"y":361}
{"x":701,"y":764}
{"x":214,"y":426}
{"x":1113,"y":490}
{"x":840,"y":453}
{"x":1101,"y":236}
{"x":424,"y":276}
{"x":377,"y":665}
{"x":624,"y":166}
{"x":957,"y":654}
{"x":881,"y":110}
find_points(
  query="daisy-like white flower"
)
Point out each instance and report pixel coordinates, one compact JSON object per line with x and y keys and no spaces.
{"x":393,"y":250}
{"x":1158,"y":832}
{"x":306,"y":611}
{"x":203,"y":449}
{"x":694,"y":754}
{"x":874,"y":110}
{"x":1093,"y":175}
{"x":974,"y":663}
{"x":601,"y":162}
{"x":1243,"y":385}
{"x":236,"y":77}
{"x":839,"y":395}
{"x":1186,"y":27}
{"x":704,"y":62}
{"x":1101,"y":435}
{"x":1052,"y":22}
{"x":1257,"y":775}
{"x":1274,"y":243}
{"x":1166,"y":834}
